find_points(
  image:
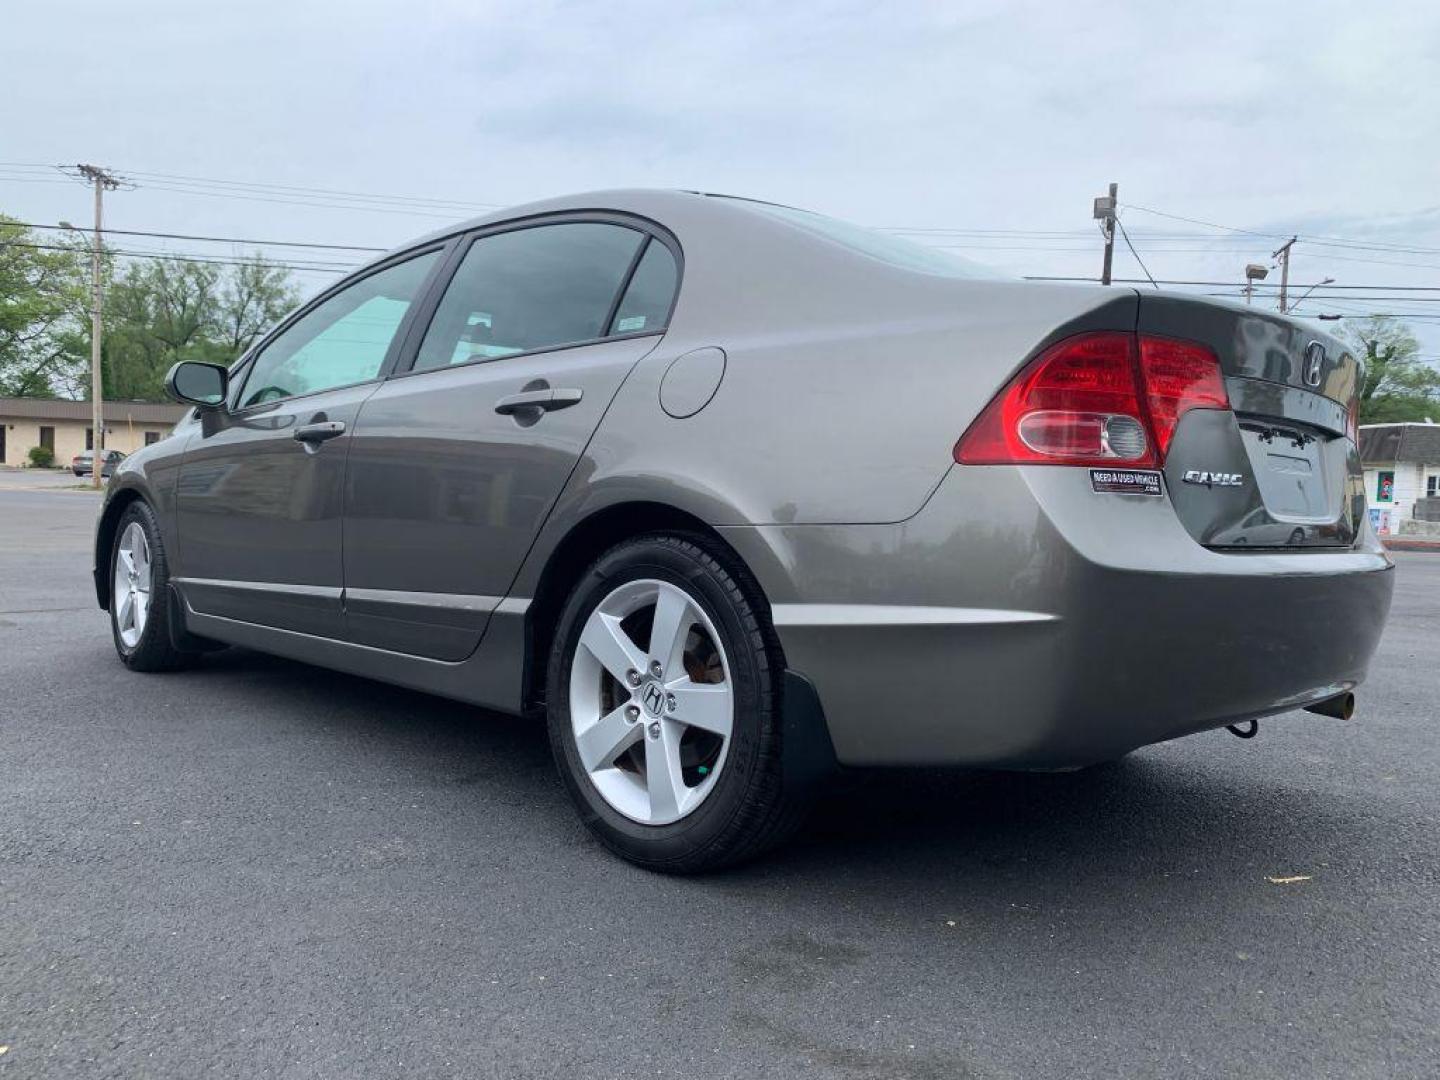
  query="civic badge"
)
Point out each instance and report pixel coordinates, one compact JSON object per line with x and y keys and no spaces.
{"x":1213,"y":479}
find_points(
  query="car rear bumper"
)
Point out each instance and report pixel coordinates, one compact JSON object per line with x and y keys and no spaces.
{"x":1056,"y":627}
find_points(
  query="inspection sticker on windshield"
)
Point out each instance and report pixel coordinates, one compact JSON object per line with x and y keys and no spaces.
{"x":1126,"y":481}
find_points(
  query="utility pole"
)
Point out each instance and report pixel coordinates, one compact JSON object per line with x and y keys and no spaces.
{"x":1283,"y":254}
{"x":102,"y":180}
{"x":1104,"y":211}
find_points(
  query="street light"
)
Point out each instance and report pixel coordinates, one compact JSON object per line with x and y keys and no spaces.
{"x":1253,"y":272}
{"x":1307,"y":292}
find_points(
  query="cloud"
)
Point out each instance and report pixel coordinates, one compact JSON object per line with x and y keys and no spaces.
{"x":981,"y":115}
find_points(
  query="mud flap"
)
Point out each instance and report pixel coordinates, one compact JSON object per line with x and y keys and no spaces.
{"x":805,"y":740}
{"x":181,"y":640}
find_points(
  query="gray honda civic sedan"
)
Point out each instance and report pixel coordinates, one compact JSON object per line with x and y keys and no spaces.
{"x":730,"y":493}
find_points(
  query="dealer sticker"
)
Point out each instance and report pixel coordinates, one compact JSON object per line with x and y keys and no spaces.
{"x":1126,"y":481}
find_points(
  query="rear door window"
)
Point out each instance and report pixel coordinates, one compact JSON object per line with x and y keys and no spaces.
{"x":529,"y":289}
{"x":647,"y":300}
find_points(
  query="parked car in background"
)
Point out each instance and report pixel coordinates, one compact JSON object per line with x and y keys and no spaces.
{"x":83,"y":463}
{"x":727,"y":492}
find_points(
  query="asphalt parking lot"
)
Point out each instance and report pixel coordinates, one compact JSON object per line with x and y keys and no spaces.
{"x":261,"y":869}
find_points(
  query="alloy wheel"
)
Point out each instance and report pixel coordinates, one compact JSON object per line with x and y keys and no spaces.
{"x":651,"y":702}
{"x":130,"y":597}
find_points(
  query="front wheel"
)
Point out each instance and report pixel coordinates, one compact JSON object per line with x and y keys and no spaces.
{"x":663,"y":706}
{"x":139,"y":581}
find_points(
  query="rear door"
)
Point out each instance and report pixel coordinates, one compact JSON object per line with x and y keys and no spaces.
{"x":1283,"y":470}
{"x":260,"y":491}
{"x":458,"y":459}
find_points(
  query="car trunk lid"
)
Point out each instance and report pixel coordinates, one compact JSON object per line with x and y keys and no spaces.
{"x":1280,"y":471}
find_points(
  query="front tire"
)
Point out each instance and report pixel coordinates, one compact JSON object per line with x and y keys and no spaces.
{"x":663,"y":705}
{"x":139,"y":587}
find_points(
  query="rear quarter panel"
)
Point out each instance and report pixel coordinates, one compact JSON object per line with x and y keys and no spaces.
{"x":847,"y":381}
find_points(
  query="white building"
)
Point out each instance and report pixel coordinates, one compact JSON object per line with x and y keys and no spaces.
{"x":1402,"y":467}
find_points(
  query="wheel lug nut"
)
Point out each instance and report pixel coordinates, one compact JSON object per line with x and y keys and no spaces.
{"x":655,"y":730}
{"x":670,"y":703}
{"x":632,"y":677}
{"x":655,"y":668}
{"x":632,"y":713}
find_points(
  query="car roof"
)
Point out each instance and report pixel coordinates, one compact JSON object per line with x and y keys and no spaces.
{"x":652,"y":203}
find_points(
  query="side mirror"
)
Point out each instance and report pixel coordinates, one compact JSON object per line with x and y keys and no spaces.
{"x":194,"y":383}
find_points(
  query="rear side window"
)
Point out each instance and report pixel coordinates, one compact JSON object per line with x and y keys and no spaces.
{"x":647,"y":300}
{"x":530,"y":289}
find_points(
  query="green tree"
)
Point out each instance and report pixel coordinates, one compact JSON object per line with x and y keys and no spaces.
{"x":166,"y":310}
{"x":1399,"y":385}
{"x":253,"y":297}
{"x":157,"y":311}
{"x":44,"y":326}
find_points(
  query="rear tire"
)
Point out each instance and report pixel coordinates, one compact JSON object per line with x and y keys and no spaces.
{"x":665,"y":770}
{"x":139,"y":591}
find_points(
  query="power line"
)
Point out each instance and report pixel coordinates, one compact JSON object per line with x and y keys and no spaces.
{"x":313,"y":191}
{"x":1258,"y":284}
{"x":415,"y":205}
{"x":1354,"y":299}
{"x":190,"y":258}
{"x":281,"y":189}
{"x":316,"y":203}
{"x":412,"y":205}
{"x":1320,"y":239}
{"x":213,"y":239}
{"x":33,"y":180}
{"x":1126,"y":237}
{"x":1207,"y":224}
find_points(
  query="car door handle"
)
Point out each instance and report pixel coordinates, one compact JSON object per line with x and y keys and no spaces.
{"x":546,"y":400}
{"x":313,"y":434}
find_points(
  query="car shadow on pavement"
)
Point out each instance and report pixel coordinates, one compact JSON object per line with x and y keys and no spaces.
{"x":1140,"y":834}
{"x":1163,"y":814}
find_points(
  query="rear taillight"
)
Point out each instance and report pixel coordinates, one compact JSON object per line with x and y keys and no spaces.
{"x":1178,"y":376}
{"x":1352,"y":421}
{"x":1096,"y":399}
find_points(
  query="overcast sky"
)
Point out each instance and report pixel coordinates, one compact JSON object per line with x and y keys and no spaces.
{"x":1321,"y":118}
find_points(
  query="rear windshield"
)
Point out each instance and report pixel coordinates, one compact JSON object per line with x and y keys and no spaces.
{"x":906,"y":254}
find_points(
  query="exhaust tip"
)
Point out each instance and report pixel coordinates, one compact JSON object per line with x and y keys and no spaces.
{"x":1341,"y":706}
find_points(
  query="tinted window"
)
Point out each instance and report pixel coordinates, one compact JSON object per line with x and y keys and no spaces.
{"x":646,"y":305}
{"x":342,"y":341}
{"x":530,"y":289}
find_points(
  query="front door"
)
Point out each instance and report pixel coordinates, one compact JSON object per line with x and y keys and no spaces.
{"x":457,"y":462}
{"x":259,"y":496}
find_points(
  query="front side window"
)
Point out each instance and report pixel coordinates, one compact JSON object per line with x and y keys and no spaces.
{"x":343,"y":340}
{"x":534,"y":288}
